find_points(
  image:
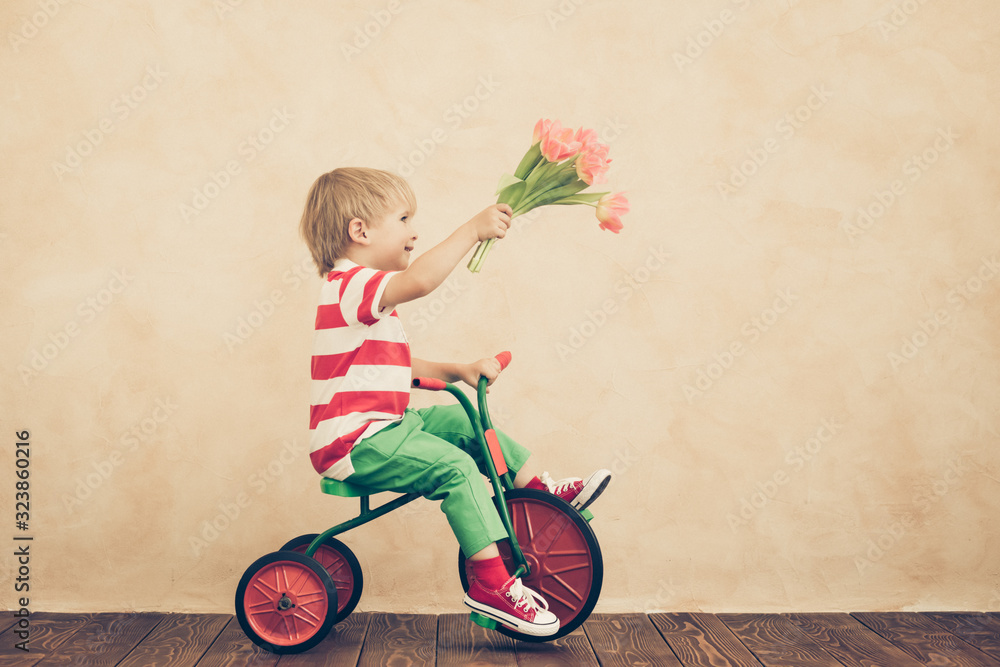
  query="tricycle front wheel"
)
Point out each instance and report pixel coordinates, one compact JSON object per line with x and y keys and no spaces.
{"x":561,"y":550}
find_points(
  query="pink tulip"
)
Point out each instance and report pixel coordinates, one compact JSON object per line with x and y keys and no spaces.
{"x":558,"y":143}
{"x":592,"y":165}
{"x":587,"y":138}
{"x":610,"y":208}
{"x":541,"y":129}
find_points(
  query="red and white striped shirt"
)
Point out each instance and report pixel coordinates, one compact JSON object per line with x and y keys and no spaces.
{"x":360,"y":366}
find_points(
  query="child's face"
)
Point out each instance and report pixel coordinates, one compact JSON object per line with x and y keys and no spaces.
{"x":392,"y":239}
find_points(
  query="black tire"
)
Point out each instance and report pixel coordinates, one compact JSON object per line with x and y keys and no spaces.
{"x":285,"y":602}
{"x":342,"y":566}
{"x":571,"y":549}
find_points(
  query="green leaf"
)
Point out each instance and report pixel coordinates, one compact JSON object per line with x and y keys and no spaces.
{"x":562,"y":192}
{"x":512,"y":194}
{"x":506,"y":181}
{"x":582,"y":198}
{"x":549,"y":196}
{"x":528,"y":162}
{"x":537,"y":173}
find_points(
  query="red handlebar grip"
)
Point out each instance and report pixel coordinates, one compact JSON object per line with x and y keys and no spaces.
{"x":504,"y":359}
{"x":429,"y":383}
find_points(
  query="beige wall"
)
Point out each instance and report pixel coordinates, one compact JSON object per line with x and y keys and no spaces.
{"x":800,"y":402}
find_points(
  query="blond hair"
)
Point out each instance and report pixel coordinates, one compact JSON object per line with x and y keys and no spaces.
{"x":339,"y":196}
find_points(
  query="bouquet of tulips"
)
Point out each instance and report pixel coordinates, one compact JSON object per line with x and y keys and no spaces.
{"x":560,"y":164}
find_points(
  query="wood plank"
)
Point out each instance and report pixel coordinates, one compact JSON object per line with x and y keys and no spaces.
{"x":400,"y":639}
{"x":628,"y":639}
{"x":47,"y":632}
{"x":924,"y":640}
{"x":979,"y":630}
{"x":180,"y":640}
{"x":341,"y":648}
{"x":740,"y":640}
{"x":703,"y":640}
{"x":775,"y":640}
{"x":573,"y":650}
{"x":850,"y":642}
{"x":15,"y":657}
{"x":461,"y":642}
{"x":233,"y":647}
{"x":104,"y":640}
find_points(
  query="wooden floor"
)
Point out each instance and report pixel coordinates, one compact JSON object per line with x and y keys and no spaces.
{"x":789,"y":640}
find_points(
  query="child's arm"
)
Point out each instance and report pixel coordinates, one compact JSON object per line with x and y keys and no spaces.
{"x":453,"y":372}
{"x":429,"y":270}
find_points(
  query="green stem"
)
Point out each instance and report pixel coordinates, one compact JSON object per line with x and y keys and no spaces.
{"x":559,"y":189}
{"x":478,"y":257}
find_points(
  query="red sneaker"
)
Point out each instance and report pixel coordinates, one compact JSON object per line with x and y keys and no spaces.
{"x":517,"y":607}
{"x":578,"y":492}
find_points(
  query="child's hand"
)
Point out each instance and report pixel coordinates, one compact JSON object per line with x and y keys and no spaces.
{"x":492,"y":222}
{"x":488,"y":368}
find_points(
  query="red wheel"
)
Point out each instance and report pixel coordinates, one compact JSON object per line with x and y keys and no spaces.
{"x":285,"y":602}
{"x":342,"y":565}
{"x":565,"y":559}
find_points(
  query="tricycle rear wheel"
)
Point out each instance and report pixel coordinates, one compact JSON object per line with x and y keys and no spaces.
{"x":342,"y":565}
{"x":286,"y":602}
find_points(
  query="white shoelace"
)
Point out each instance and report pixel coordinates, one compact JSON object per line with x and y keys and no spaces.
{"x":554,"y":487}
{"x":526,"y":597}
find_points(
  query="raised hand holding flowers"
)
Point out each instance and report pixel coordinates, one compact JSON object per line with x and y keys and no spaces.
{"x":556,"y":169}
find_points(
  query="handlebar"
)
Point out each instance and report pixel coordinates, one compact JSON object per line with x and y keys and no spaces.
{"x":496,"y":466}
{"x":433,"y":384}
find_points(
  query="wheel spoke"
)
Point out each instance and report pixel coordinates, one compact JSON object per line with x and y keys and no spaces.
{"x":552,"y":595}
{"x":263,"y":603}
{"x":311,"y":598}
{"x":528,"y":527}
{"x":532,"y":533}
{"x":293,"y":585}
{"x":260,"y":582}
{"x":562,"y":526}
{"x":573,"y":591}
{"x":307,"y":617}
{"x":567,"y":568}
{"x":560,"y":554}
{"x":289,"y":624}
{"x":305,"y":584}
{"x":275,"y":622}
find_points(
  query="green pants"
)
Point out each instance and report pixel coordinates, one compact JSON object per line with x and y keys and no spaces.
{"x":434,"y":452}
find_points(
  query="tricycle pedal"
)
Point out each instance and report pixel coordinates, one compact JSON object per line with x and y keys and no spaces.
{"x":479,"y":619}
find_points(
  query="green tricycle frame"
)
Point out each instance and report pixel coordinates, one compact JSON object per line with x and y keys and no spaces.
{"x":287,"y":601}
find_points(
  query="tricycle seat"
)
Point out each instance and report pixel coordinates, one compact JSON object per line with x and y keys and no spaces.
{"x":345,"y":489}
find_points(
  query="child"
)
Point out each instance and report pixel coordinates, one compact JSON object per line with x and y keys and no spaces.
{"x":358,"y":224}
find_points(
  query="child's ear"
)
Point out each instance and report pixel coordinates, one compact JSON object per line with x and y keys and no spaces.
{"x":358,"y":231}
